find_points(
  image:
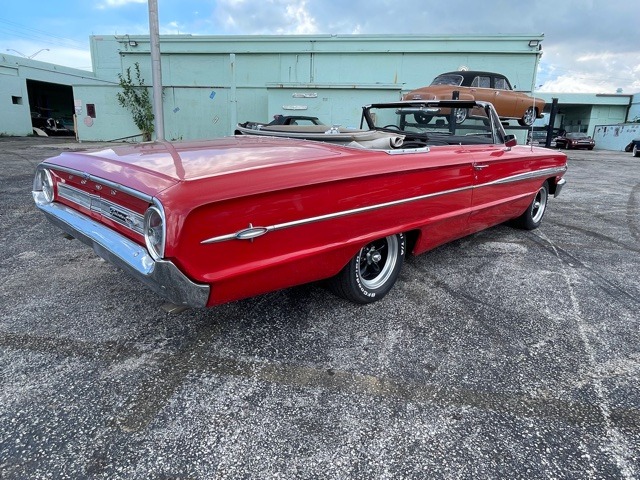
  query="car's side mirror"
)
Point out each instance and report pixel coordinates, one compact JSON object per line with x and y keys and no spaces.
{"x":510,"y":141}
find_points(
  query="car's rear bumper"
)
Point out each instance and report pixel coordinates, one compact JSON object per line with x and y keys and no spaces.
{"x":161,"y":276}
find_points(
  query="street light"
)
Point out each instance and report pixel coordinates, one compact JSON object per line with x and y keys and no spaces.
{"x":29,"y":56}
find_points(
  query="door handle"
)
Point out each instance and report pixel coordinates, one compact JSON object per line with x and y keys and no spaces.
{"x":480,"y":167}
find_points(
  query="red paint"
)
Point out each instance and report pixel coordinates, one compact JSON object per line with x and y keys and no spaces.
{"x":220,"y":187}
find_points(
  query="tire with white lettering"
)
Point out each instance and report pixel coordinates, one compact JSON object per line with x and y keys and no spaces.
{"x":532,"y":217}
{"x":373,"y":271}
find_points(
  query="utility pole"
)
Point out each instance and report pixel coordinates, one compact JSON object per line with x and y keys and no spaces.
{"x":156,"y":69}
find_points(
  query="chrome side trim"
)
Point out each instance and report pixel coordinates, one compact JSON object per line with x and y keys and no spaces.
{"x":319,"y":218}
{"x":161,"y":276}
{"x":544,"y":173}
{"x":102,"y":181}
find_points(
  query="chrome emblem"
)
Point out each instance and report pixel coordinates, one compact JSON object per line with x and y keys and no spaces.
{"x":118,"y":215}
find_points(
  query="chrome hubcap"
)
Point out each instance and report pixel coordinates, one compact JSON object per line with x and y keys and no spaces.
{"x":528,"y":116}
{"x":539,"y":205}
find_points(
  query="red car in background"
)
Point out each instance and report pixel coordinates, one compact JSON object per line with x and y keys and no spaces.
{"x":574,"y":140}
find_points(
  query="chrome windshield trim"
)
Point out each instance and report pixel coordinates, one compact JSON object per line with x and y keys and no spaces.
{"x":305,"y":221}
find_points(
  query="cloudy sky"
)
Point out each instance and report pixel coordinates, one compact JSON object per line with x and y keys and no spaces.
{"x":590,"y":46}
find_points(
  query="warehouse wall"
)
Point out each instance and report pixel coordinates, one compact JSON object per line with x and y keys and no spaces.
{"x":47,"y":79}
{"x":212,"y":82}
{"x":615,"y":137}
{"x":14,"y":103}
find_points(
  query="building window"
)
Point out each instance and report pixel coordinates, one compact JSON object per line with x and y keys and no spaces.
{"x":16,"y":100}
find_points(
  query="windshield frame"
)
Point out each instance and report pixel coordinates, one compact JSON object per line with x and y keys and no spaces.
{"x":494,"y":129}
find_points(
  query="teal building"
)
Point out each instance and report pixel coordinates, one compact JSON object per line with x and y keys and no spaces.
{"x":210,"y":83}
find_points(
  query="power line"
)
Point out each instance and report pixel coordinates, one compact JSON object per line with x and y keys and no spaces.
{"x":21,"y":31}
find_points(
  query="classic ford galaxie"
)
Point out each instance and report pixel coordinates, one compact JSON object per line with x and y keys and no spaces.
{"x":202,"y":223}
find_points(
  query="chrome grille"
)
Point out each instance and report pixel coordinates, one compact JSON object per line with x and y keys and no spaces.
{"x":128,"y":218}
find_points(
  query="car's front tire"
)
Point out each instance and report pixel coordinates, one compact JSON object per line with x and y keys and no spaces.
{"x":636,"y":152}
{"x":373,"y":271}
{"x":532,"y":217}
{"x":422,"y":118}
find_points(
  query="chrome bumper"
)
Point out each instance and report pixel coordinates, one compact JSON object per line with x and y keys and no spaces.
{"x":561,"y":183}
{"x":161,"y":276}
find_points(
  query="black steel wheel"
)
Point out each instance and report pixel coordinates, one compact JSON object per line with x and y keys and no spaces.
{"x":373,"y":271}
{"x":422,"y":117}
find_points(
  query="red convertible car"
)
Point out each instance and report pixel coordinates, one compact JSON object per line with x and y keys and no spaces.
{"x":203,"y":223}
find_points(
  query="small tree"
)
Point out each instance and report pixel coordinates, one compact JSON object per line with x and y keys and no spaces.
{"x":135,"y":98}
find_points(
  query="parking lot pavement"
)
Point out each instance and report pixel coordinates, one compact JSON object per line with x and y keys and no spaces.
{"x":507,"y":354}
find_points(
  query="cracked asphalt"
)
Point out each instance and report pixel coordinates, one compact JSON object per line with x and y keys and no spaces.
{"x":507,"y":354}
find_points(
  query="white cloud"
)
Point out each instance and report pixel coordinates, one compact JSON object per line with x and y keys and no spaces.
{"x":67,"y":57}
{"x":172,"y":28}
{"x":301,"y":19}
{"x":564,"y":70}
{"x":281,"y":17}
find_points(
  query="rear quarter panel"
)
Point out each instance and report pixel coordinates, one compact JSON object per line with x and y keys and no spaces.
{"x":325,"y":193}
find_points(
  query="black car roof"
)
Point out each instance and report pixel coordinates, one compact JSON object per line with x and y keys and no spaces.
{"x":466,"y":74}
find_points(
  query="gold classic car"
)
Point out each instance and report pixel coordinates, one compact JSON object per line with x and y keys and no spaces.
{"x":484,"y":87}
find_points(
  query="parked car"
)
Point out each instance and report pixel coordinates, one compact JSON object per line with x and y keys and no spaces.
{"x":482,"y":86}
{"x":49,"y":126}
{"x":294,"y":120}
{"x":283,"y":120}
{"x":575,"y":140}
{"x":634,"y":146}
{"x":540,"y":135}
{"x":203,"y":223}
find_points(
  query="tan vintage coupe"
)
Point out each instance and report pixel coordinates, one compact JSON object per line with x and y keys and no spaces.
{"x":484,"y":87}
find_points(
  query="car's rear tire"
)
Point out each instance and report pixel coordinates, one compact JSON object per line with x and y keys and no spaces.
{"x":528,"y":118}
{"x":460,"y":115}
{"x":532,"y":217}
{"x":372,"y":272}
{"x":422,"y":118}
